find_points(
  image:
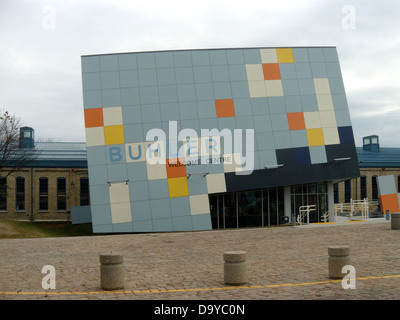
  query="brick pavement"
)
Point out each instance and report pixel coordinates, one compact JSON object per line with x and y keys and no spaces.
{"x":287,"y":263}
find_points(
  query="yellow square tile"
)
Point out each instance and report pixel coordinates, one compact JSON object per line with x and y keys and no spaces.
{"x":315,"y":137}
{"x":178,"y":187}
{"x":285,"y":55}
{"x":114,"y":135}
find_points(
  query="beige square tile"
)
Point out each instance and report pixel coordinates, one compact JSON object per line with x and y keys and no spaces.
{"x":331,"y":136}
{"x":328,"y":119}
{"x":312,"y":120}
{"x":216,"y":183}
{"x":121,"y":212}
{"x":322,"y":86}
{"x":257,"y":89}
{"x":268,"y":56}
{"x":112,"y":116}
{"x":199,"y":204}
{"x":254,"y":72}
{"x":95,"y":136}
{"x":274,"y":88}
{"x":324,"y":102}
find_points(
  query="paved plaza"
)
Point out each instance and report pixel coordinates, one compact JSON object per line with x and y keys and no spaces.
{"x":289,"y":263}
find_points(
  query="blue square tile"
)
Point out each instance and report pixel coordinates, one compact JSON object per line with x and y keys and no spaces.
{"x":318,"y":155}
{"x":134,"y":133}
{"x":117,"y":172}
{"x":140,"y":211}
{"x":336,"y":85}
{"x":290,"y":87}
{"x":92,"y":99}
{"x":143,"y":226}
{"x":218,"y":57}
{"x":110,"y":80}
{"x":244,"y":122}
{"x":222,"y":90}
{"x":182,"y":58}
{"x":201,"y":222}
{"x":197,"y":184}
{"x":265,"y":141}
{"x":99,"y":195}
{"x":240,"y":89}
{"x":293,"y":104}
{"x":139,"y":190}
{"x":122,"y":227}
{"x":164,"y":59}
{"x":168,"y":93}
{"x":288,"y":71}
{"x":115,"y":154}
{"x":206,"y":109}
{"x":148,"y":95}
{"x":309,"y":103}
{"x":169,"y":111}
{"x":279,"y":122}
{"x":180,"y":207}
{"x":130,"y":96}
{"x":319,"y":70}
{"x":137,"y":171}
{"x":127,"y":61}
{"x":301,"y":156}
{"x":160,"y":209}
{"x":235,"y":56}
{"x":200,"y":58}
{"x":158,"y":189}
{"x":96,"y":155}
{"x":109,"y":63}
{"x":333,"y":70}
{"x":182,"y":223}
{"x":166,"y":76}
{"x":303,"y":70}
{"x":343,"y":118}
{"x":128,"y":78}
{"x":202,"y":74}
{"x":242,"y":107}
{"x":339,"y":101}
{"x":260,"y":106}
{"x":111,"y":97}
{"x":237,"y":72}
{"x":204,"y":91}
{"x":186,"y":92}
{"x":151,"y":113}
{"x":267,"y":158}
{"x":160,"y":225}
{"x":346,"y":134}
{"x":188,"y":110}
{"x":102,"y":214}
{"x":300,"y":55}
{"x":282,"y":140}
{"x":262,"y":123}
{"x":252,"y":56}
{"x":90,"y":64}
{"x":146,"y":60}
{"x":91,"y":81}
{"x":299,"y":138}
{"x":330,"y":54}
{"x":220,"y":73}
{"x":316,"y":55}
{"x":306,"y":86}
{"x":147,"y":77}
{"x":184,"y":75}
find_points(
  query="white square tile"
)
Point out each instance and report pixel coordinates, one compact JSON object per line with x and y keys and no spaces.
{"x":199,"y":204}
{"x":328,"y":119}
{"x":121,"y":212}
{"x":119,"y":192}
{"x":322,"y":86}
{"x":274,"y":88}
{"x":312,"y":120}
{"x":254,"y":72}
{"x":112,"y":116}
{"x":268,"y":56}
{"x":324,"y":102}
{"x":156,"y":171}
{"x":331,"y":136}
{"x":257,"y":89}
{"x":216,"y":183}
{"x":95,"y":136}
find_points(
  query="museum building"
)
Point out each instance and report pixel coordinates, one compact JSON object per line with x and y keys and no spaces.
{"x":211,"y":139}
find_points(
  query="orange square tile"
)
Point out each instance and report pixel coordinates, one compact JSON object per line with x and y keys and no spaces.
{"x":176,"y":168}
{"x":390,"y":202}
{"x":296,"y":121}
{"x":93,"y":117}
{"x":271,"y":71}
{"x":225,"y":108}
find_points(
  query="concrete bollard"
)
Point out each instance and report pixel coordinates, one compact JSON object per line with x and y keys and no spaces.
{"x":235,"y":270}
{"x":339,"y":256}
{"x":111,"y":271}
{"x":395,"y":221}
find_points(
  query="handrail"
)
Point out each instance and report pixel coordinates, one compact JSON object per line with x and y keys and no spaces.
{"x":305,"y":211}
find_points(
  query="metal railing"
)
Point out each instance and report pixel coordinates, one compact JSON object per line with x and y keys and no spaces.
{"x":304,"y":212}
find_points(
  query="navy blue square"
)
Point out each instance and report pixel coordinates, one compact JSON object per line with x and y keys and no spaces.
{"x":346,"y":134}
{"x":301,"y":156}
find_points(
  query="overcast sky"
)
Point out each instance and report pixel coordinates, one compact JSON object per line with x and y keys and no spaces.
{"x":42,"y":41}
